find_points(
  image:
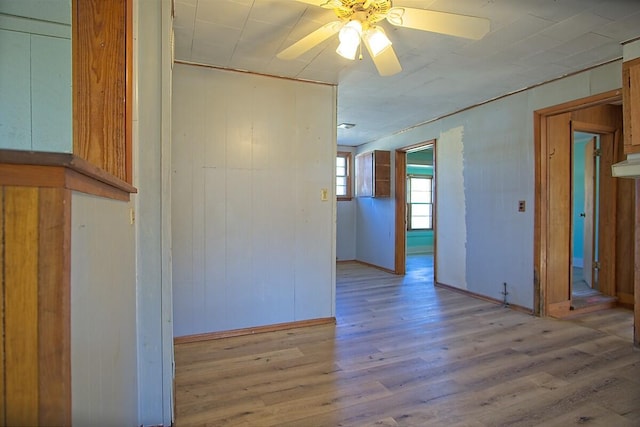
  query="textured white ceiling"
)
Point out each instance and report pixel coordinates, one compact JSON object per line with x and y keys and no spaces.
{"x":531,"y":41}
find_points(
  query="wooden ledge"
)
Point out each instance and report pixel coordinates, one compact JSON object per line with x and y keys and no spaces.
{"x":63,"y":170}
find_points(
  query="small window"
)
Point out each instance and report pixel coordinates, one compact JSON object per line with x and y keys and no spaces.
{"x":419,"y":202}
{"x":343,"y":175}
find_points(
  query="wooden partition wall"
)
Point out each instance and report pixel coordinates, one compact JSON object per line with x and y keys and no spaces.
{"x":36,"y":343}
{"x":35,"y":312}
{"x":35,"y":217}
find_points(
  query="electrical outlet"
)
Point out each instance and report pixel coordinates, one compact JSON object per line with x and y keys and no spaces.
{"x":522,"y":206}
{"x":324,"y":194}
{"x":132,"y":216}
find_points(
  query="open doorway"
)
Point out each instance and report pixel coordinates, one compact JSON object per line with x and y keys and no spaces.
{"x":613,"y":203}
{"x":415,"y":210}
{"x":586,"y":220}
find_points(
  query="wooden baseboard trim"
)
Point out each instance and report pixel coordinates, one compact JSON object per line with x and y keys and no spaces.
{"x":590,"y":309}
{"x":483,"y":297}
{"x":255,"y":330}
{"x":625,"y":300}
{"x":559,"y":310}
{"x":345,"y":261}
{"x":386,"y":270}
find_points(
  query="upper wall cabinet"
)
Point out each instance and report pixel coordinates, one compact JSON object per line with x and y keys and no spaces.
{"x":631,"y":105}
{"x":373,"y":174}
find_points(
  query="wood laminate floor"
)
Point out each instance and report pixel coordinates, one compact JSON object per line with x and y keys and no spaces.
{"x":404,"y":353}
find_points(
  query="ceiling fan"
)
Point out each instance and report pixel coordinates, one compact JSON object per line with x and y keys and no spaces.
{"x":357,"y":21}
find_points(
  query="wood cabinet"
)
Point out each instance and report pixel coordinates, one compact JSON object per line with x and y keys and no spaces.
{"x":631,"y":105}
{"x":373,"y":174}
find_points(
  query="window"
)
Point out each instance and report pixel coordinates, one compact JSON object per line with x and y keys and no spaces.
{"x":419,"y":202}
{"x":343,"y":175}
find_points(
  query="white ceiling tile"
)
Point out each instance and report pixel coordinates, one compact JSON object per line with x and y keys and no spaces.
{"x":587,"y":41}
{"x":616,"y":10}
{"x":576,"y":26}
{"x":560,"y":10}
{"x":623,"y":29}
{"x":183,"y":46}
{"x":185,"y":15}
{"x":530,"y":41}
{"x":516,"y":31}
{"x":212,"y":33}
{"x":542,"y":57}
{"x":597,"y":55}
{"x":224,"y":12}
{"x":276,"y":13}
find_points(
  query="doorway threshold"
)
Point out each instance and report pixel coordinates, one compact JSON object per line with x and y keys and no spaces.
{"x":591,"y":303}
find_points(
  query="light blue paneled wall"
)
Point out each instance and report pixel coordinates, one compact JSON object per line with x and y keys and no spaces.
{"x":35,"y":75}
{"x":485,"y":162}
{"x":253,"y":241}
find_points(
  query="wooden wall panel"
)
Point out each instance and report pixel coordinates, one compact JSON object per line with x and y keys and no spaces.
{"x":35,"y":349}
{"x":2,"y":367}
{"x":607,"y":217}
{"x":401,"y":212}
{"x":559,"y":209}
{"x":631,"y":102}
{"x":21,"y":305}
{"x":636,"y":276}
{"x":99,"y":82}
{"x":54,"y":327}
{"x":601,"y":115}
{"x":625,"y":239}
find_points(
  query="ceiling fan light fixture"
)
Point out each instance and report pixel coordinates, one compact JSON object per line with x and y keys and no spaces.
{"x":349,"y":40}
{"x":377,"y":40}
{"x":348,"y":50}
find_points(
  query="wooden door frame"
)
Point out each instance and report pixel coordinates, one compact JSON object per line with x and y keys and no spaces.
{"x":542,"y":184}
{"x":609,"y":136}
{"x":401,"y":205}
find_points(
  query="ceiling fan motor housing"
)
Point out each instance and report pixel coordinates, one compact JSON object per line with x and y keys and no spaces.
{"x":370,"y":11}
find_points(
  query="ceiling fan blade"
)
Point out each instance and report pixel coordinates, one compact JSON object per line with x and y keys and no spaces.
{"x":452,"y":24}
{"x":311,"y":40}
{"x":386,"y":62}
